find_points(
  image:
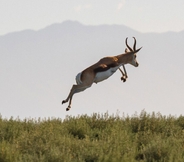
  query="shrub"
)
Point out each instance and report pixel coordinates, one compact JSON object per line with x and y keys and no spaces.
{"x":99,"y":137}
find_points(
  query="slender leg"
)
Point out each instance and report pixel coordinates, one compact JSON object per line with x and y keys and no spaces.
{"x":125,"y":71}
{"x":86,"y":82}
{"x":71,"y":91}
{"x":74,"y":89}
{"x":124,"y":74}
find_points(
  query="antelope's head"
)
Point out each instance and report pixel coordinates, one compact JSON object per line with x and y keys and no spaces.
{"x":132,"y":53}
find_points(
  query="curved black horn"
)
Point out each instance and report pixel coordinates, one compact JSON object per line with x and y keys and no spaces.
{"x":137,"y":50}
{"x":128,"y":45}
{"x":134,"y":44}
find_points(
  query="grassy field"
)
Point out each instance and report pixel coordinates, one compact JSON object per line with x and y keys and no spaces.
{"x":96,"y":138}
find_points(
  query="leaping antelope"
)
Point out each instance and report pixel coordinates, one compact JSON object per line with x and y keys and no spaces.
{"x":102,"y":70}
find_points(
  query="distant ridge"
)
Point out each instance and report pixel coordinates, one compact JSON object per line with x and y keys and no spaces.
{"x":70,"y":24}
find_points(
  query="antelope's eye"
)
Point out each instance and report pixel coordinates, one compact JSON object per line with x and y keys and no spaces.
{"x":135,"y":56}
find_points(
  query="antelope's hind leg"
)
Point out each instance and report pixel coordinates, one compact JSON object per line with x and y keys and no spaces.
{"x":69,"y":98}
{"x":71,"y":93}
{"x":74,"y":89}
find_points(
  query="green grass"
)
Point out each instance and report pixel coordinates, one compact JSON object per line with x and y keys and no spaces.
{"x":96,"y":138}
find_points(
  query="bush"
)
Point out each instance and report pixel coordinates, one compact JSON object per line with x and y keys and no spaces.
{"x":96,"y":138}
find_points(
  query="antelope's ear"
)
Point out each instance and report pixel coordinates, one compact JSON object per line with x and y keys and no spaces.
{"x":126,"y":50}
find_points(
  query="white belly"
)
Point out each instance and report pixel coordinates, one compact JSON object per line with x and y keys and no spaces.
{"x":100,"y":76}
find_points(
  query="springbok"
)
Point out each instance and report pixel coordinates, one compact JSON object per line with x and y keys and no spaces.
{"x":102,"y":70}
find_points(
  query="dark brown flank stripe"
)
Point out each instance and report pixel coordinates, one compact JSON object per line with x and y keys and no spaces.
{"x":104,"y":67}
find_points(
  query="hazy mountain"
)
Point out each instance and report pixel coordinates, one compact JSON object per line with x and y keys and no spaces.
{"x":38,"y":68}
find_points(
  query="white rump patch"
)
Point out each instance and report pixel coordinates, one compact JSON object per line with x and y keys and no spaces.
{"x":78,"y":78}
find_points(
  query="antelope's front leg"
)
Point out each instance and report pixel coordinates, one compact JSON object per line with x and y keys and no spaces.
{"x":124,"y":76}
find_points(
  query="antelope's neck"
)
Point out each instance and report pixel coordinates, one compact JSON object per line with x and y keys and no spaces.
{"x":122,"y":58}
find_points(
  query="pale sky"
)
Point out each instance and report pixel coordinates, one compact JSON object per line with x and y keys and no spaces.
{"x":141,"y":15}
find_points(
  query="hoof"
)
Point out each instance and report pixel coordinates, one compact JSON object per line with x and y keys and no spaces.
{"x":123,"y":79}
{"x":63,"y":101}
{"x":67,"y":109}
